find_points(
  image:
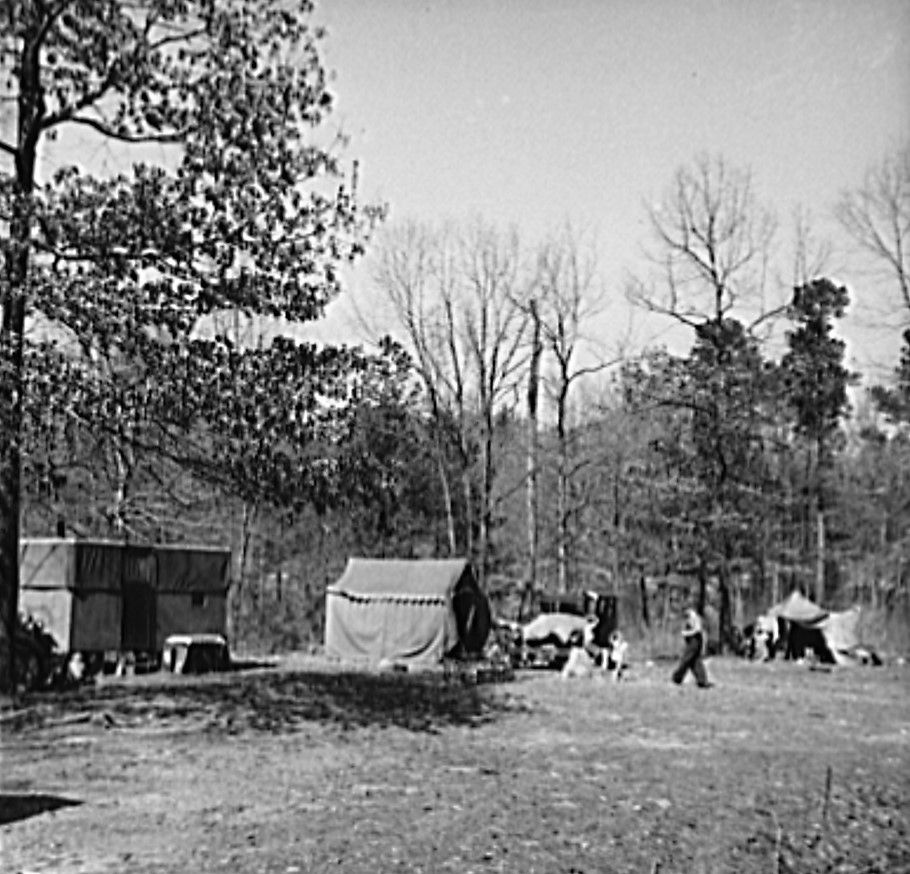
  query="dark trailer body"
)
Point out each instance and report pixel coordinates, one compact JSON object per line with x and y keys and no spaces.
{"x":98,"y":596}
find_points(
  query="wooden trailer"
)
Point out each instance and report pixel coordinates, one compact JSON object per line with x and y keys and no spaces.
{"x":105,"y":599}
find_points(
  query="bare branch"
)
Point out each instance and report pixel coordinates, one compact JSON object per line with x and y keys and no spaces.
{"x":712,"y":244}
{"x":877,"y":217}
{"x":182,"y":37}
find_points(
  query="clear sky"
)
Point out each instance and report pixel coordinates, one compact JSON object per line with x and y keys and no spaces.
{"x":534,"y":112}
{"x":537,"y":112}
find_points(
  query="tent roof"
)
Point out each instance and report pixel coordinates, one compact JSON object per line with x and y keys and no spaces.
{"x":420,"y":578}
{"x":796,"y":607}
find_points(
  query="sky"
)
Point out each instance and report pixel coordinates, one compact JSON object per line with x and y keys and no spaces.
{"x":532,"y":113}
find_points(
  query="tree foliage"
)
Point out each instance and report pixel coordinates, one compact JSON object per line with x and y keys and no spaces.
{"x":816,"y":379}
{"x":248,"y":209}
{"x":894,"y":401}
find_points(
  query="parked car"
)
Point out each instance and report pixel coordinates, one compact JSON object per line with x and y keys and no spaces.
{"x":562,"y":623}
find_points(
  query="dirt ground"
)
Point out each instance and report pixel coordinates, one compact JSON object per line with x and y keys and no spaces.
{"x":306,"y":768}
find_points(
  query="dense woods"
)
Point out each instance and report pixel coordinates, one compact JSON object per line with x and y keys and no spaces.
{"x":490,"y":423}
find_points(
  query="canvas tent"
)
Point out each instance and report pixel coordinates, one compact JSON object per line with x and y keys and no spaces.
{"x":405,"y":611}
{"x":104,"y":596}
{"x":796,"y":607}
{"x":832,"y":635}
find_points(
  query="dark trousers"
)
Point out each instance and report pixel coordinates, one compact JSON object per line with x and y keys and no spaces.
{"x":691,"y":660}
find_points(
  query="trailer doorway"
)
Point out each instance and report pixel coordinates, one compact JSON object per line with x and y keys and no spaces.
{"x":139,"y":622}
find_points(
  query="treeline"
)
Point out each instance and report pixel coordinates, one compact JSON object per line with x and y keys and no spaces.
{"x":497,"y":426}
{"x":487,"y":419}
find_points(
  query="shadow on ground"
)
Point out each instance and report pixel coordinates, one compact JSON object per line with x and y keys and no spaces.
{"x":271,"y":701}
{"x":15,"y":807}
{"x":249,"y":664}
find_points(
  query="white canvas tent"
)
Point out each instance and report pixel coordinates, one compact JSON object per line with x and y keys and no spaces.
{"x":833,"y":635}
{"x":405,"y":611}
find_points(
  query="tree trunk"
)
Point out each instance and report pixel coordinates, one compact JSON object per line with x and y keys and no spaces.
{"x":702,"y":588}
{"x":818,"y":518}
{"x":241,"y":552}
{"x":486,"y":508}
{"x":468,"y":498}
{"x":562,"y":494}
{"x":645,"y":608}
{"x":619,"y":531}
{"x":451,"y":535}
{"x":12,"y":338}
{"x":531,"y":495}
{"x":451,"y":538}
{"x":11,"y":386}
{"x":121,"y":489}
{"x":725,"y":619}
{"x":819,"y":555}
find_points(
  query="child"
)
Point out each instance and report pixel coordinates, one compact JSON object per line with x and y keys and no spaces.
{"x":615,"y":657}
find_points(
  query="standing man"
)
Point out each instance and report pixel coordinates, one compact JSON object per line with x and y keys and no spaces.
{"x":694,"y":638}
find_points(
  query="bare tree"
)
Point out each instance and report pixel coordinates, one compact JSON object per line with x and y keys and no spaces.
{"x":452,"y":293}
{"x":570,"y":299}
{"x":492,"y":332}
{"x":877,"y":217}
{"x":713,"y":242}
{"x":811,"y":253}
{"x":713,"y":245}
{"x":532,"y":503}
{"x":411,"y":266}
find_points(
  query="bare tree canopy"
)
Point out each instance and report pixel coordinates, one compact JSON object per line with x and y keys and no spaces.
{"x":877,"y":217}
{"x":454,"y":293}
{"x":569,"y":297}
{"x":712,"y":242}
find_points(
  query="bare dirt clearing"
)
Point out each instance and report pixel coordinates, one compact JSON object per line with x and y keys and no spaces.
{"x":305,"y":768}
